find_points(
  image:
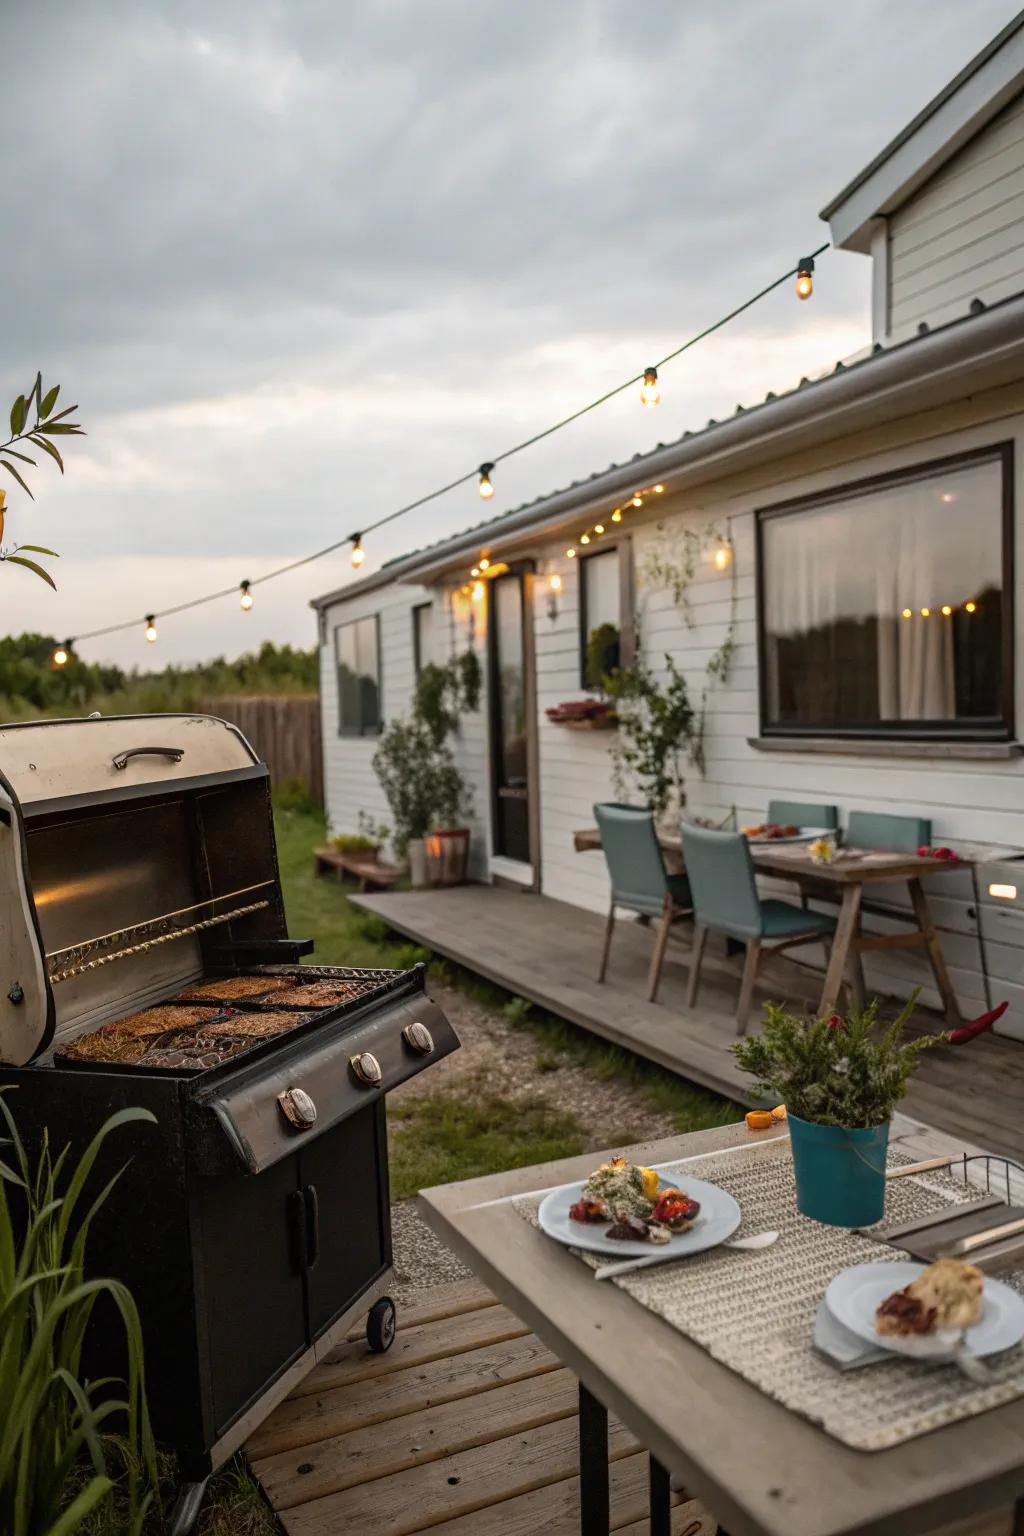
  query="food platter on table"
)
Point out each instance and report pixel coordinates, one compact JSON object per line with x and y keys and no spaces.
{"x":769,"y":835}
{"x":717,"y":1217}
{"x":856,"y":1295}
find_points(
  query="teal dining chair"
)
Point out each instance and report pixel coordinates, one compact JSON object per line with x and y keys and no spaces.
{"x":640,"y":881}
{"x":725,"y":898}
{"x":889,"y":834}
{"x":802,"y":813}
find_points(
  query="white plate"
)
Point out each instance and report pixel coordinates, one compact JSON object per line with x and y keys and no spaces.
{"x":805,"y":835}
{"x":856,"y":1293}
{"x":719,"y":1217}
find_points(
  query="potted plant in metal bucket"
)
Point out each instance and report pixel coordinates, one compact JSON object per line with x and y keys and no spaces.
{"x":840,"y":1080}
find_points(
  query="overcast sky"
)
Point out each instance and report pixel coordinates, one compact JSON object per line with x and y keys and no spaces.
{"x":300,"y":261}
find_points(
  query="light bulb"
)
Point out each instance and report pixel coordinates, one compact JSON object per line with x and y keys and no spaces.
{"x":60,"y":655}
{"x":556,"y":583}
{"x":478,"y":592}
{"x":804,"y":277}
{"x":570,"y":554}
{"x":584,"y":538}
{"x":486,"y":488}
{"x":970,"y":607}
{"x":599,"y":527}
{"x":246,"y":598}
{"x":908,"y":613}
{"x":484,"y":563}
{"x":925,"y":613}
{"x":637,"y":500}
{"x":650,"y":394}
{"x":151,"y":627}
{"x":946,"y":610}
{"x":723,"y":555}
{"x":658,"y":490}
{"x":475,"y":572}
{"x":358,"y":552}
{"x":617,"y":515}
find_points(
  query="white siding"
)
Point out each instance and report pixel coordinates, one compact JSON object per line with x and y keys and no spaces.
{"x":350,"y":784}
{"x":962,"y":235}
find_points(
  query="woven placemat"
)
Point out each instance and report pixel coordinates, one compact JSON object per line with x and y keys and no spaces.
{"x":754,"y":1312}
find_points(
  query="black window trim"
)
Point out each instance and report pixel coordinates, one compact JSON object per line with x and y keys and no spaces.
{"x":623,"y":548}
{"x":417,"y":657}
{"x":992,"y":729}
{"x":352,"y":731}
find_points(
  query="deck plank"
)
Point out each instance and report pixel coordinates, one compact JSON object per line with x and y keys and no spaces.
{"x":547,"y":951}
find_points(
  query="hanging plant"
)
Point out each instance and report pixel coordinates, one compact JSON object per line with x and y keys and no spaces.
{"x":445,"y":693}
{"x":602,"y":655}
{"x":656,"y":722}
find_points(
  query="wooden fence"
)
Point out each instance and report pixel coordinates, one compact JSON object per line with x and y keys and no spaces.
{"x":284,"y":731}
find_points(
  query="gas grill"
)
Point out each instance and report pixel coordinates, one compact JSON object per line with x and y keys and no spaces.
{"x":144,"y":961}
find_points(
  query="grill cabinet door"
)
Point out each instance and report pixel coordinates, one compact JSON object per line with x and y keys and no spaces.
{"x":345,"y":1187}
{"x":252,"y":1283}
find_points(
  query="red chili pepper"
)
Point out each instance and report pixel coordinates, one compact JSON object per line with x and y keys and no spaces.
{"x":835,"y":1022}
{"x":977,"y":1026}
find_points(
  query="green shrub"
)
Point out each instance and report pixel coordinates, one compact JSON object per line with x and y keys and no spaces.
{"x":353,"y":842}
{"x":291,"y":794}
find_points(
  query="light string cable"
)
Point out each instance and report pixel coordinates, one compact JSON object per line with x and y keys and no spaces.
{"x":472,"y":474}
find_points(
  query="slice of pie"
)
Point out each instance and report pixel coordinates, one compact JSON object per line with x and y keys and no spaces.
{"x":948,"y":1294}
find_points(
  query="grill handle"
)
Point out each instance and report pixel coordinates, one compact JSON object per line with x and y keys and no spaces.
{"x":298,"y":1229}
{"x":174,"y":753}
{"x":312,"y":1225}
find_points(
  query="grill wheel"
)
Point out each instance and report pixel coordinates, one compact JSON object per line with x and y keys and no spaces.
{"x":380,"y":1325}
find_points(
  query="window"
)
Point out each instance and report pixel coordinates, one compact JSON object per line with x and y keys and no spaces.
{"x":357,"y":655}
{"x":422,"y":636}
{"x":885,"y":607}
{"x":600,"y":609}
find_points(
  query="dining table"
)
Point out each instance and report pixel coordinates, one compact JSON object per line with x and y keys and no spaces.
{"x":844,"y":882}
{"x":759,"y":1467}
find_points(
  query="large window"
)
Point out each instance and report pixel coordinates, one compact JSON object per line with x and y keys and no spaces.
{"x":600,"y":610}
{"x":885,"y":607}
{"x":357,"y":656}
{"x":423,"y":636}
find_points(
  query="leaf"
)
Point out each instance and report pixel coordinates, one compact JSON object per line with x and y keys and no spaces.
{"x":49,"y":448}
{"x":49,"y":400}
{"x":40,"y":549}
{"x":22,"y":456}
{"x":31,"y":565}
{"x":19,"y":415}
{"x":66,"y":412}
{"x":12,"y":471}
{"x":60,"y":426}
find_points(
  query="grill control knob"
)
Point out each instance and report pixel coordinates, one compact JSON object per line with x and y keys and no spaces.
{"x":367,"y":1068}
{"x":298,"y":1108}
{"x":419,"y":1038}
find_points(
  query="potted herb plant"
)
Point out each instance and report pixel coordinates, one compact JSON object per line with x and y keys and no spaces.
{"x":423,"y":787}
{"x":840,"y":1080}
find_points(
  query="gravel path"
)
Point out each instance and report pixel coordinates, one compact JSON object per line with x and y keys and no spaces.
{"x":516,"y":1063}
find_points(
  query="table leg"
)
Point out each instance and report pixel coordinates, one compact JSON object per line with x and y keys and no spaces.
{"x":594,"y":1506}
{"x":919,"y":902}
{"x":660,"y":1499}
{"x":846,"y":932}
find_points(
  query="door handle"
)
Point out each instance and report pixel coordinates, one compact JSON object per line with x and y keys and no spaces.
{"x":297,"y":1229}
{"x":312,"y":1205}
{"x":174,"y":753}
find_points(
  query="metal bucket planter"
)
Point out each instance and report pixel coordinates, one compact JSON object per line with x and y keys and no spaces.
{"x":447,"y":854}
{"x":840,"y":1173}
{"x":416,"y":853}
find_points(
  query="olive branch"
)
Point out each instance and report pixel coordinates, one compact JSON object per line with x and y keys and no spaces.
{"x":39,"y":409}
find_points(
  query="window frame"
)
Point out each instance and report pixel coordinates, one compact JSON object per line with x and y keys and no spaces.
{"x":418,"y":662}
{"x":360,"y":730}
{"x":623,"y":548}
{"x":987,"y":729}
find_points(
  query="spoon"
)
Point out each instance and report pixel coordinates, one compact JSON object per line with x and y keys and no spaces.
{"x":749,"y":1244}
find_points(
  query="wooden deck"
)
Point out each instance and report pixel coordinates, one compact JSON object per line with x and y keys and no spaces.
{"x":466,"y":1427}
{"x":547,"y":951}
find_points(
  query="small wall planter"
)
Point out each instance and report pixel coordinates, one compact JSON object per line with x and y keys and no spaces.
{"x":584,"y":715}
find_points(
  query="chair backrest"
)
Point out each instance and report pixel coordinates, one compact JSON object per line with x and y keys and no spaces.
{"x":896,"y":834}
{"x":802,"y":813}
{"x":721,"y":875}
{"x":635,"y":864}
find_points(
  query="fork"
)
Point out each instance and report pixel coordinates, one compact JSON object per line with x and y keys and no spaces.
{"x":969,"y":1365}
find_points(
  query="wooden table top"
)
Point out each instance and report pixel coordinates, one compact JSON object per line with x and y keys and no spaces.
{"x":762,"y":1469}
{"x":853,"y":867}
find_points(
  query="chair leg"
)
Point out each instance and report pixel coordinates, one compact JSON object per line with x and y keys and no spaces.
{"x":609,"y":929}
{"x":747,"y":985}
{"x":658,"y":957}
{"x":700,"y":938}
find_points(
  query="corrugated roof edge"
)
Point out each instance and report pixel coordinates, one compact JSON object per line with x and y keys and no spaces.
{"x":970,"y":68}
{"x":596,"y":484}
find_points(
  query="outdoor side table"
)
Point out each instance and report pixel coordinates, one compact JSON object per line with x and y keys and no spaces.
{"x":762,"y":1470}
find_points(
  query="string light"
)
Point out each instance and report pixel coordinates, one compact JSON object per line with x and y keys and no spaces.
{"x":584,"y":538}
{"x":650,"y":394}
{"x":925,"y":613}
{"x":475,"y":571}
{"x":637,"y":500}
{"x":658,"y":489}
{"x":485,"y":564}
{"x":946,"y":610}
{"x":805,"y":277}
{"x":617,"y":515}
{"x":478,"y":592}
{"x":599,"y":527}
{"x":570,"y":553}
{"x":970,"y":607}
{"x":151,"y":634}
{"x":485,"y":471}
{"x":908,"y":613}
{"x":62,"y":654}
{"x":246,"y":598}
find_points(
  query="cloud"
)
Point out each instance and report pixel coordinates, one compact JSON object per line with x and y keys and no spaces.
{"x":299,"y":262}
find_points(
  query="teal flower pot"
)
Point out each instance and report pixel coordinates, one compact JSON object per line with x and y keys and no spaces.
{"x":840,"y":1173}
